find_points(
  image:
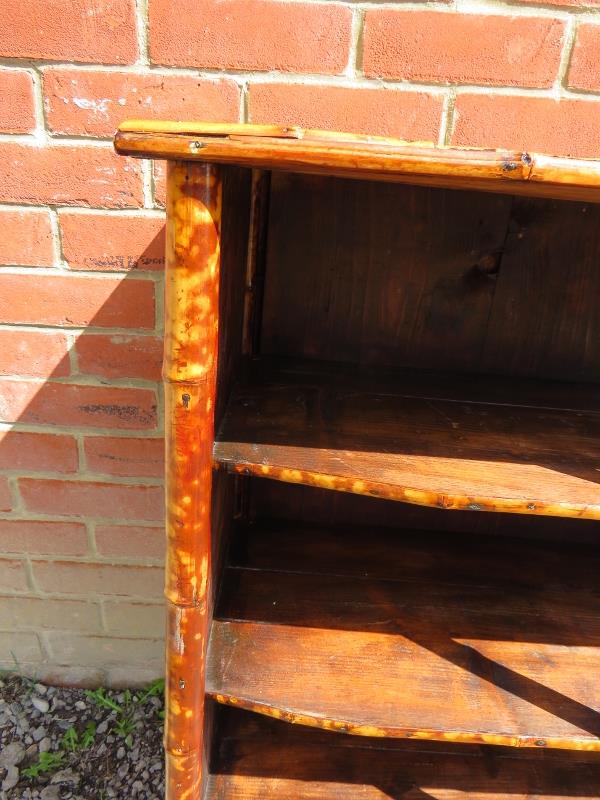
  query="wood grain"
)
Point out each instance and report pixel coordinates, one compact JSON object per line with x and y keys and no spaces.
{"x":258,"y":758}
{"x":381,"y":275}
{"x":443,"y":638}
{"x":415,"y":277}
{"x":291,"y":148}
{"x":544,"y":319}
{"x":492,"y":450}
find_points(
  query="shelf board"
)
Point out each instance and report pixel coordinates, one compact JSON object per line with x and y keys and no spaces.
{"x":459,"y":638}
{"x":258,"y":758}
{"x":439,"y":440}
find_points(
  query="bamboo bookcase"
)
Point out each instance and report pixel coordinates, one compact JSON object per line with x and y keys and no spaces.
{"x":353,"y":321}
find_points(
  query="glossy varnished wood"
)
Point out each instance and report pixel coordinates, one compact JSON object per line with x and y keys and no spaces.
{"x":476,"y":444}
{"x":258,"y":758}
{"x":438,"y":645}
{"x":415,"y":277}
{"x":190,"y":370}
{"x":440,"y":637}
{"x":377,"y":158}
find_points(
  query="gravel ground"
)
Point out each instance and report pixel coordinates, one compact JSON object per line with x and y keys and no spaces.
{"x":68,"y":744}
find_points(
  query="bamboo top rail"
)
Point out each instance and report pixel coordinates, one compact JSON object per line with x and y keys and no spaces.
{"x":351,"y":155}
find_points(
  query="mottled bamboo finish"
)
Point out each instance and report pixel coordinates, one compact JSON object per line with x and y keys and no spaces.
{"x":358,"y":156}
{"x":190,"y":364}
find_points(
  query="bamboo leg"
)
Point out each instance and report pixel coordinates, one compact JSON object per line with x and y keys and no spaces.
{"x":189,"y":372}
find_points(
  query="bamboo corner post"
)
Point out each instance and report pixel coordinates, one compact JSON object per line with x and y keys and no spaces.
{"x":189,"y":371}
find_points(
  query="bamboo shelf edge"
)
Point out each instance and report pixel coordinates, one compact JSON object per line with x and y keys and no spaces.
{"x":276,"y":426}
{"x":295,"y":638}
{"x":352,"y":728}
{"x":350,"y":155}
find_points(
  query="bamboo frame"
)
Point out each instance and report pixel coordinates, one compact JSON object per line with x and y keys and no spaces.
{"x":189,"y":372}
{"x":369,"y":157}
{"x":194,"y":190}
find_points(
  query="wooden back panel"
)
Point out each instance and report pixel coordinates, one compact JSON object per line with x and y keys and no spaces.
{"x":402,"y":276}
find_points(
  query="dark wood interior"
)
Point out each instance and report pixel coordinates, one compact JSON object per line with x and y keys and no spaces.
{"x":406,"y":276}
{"x":259,"y":758}
{"x":441,"y":348}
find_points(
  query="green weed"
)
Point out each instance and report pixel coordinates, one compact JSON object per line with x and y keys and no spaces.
{"x":47,"y":762}
{"x":73,"y":741}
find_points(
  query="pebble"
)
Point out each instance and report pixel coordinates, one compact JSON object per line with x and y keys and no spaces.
{"x":108,"y":768}
{"x":39,"y":733}
{"x":12,"y":754}
{"x":41,"y":704}
{"x":66,"y":776}
{"x":11,"y":779}
{"x":51,"y":792}
{"x":31,"y":752}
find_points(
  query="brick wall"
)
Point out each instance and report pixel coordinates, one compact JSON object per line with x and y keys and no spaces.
{"x":82,"y":239}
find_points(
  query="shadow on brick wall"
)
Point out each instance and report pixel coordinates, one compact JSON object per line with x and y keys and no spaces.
{"x":81,"y":454}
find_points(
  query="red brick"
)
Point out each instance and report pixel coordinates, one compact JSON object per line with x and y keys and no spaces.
{"x":160,"y":183}
{"x":16,"y":101}
{"x":568,"y":128}
{"x":5,"y":497}
{"x":128,"y":457}
{"x":112,"y":243}
{"x":462,"y":48}
{"x":42,"y":537}
{"x":120,"y":356}
{"x":383,"y":112}
{"x":35,"y":612}
{"x":33,"y":353}
{"x":76,"y":300}
{"x":70,"y":648}
{"x":12,"y":575}
{"x":584,"y":72}
{"x":251,"y":34}
{"x":22,"y":648}
{"x":68,"y":577}
{"x":94,"y":103}
{"x":85,"y":175}
{"x":135,"y":619}
{"x":129,"y":542}
{"x":26,"y":238}
{"x":34,"y":452}
{"x":94,"y":499}
{"x":102,"y":31}
{"x":70,"y":404}
{"x":565,"y":3}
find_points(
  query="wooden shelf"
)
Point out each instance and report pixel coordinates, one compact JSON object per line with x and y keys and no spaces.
{"x":258,"y":758}
{"x":417,"y":635}
{"x":439,"y":440}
